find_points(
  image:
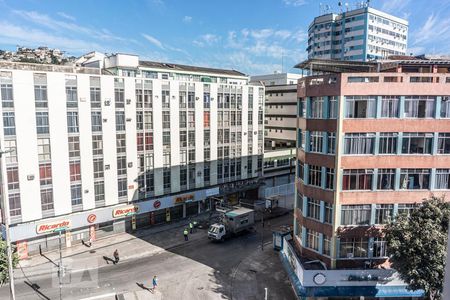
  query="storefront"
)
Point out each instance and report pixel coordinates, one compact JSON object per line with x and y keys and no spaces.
{"x":98,"y":223}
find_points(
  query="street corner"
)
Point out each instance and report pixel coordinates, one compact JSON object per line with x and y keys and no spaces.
{"x":75,"y":272}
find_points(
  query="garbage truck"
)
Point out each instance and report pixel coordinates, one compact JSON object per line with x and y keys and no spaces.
{"x":233,"y":221}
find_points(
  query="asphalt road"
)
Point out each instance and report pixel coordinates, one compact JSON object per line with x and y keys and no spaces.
{"x":201,"y":269}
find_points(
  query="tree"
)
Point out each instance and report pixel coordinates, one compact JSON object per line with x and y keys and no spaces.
{"x":417,"y":246}
{"x":4,"y":275}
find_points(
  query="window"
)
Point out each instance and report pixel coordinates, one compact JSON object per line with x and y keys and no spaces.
{"x":165,"y":98}
{"x":166,"y":138}
{"x":206,"y":100}
{"x":206,"y":138}
{"x":75,"y":192}
{"x":148,"y":120}
{"x":367,"y":79}
{"x":442,"y":179}
{"x":191,"y":119}
{"x":13,"y":178}
{"x":40,"y":95}
{"x":316,"y":141}
{"x":359,"y":143}
{"x":417,"y":143}
{"x":72,"y":122}
{"x":96,"y":99}
{"x":313,"y":208}
{"x":357,"y":179}
{"x":96,"y":121}
{"x":7,"y":95}
{"x":183,"y":99}
{"x":14,"y":205}
{"x":166,"y":178}
{"x":207,"y":154}
{"x":353,"y":247}
{"x":42,"y":125}
{"x":139,"y":120}
{"x":183,"y":157}
{"x":414,"y":179}
{"x":419,"y":107}
{"x":191,"y":156}
{"x":47,"y":199}
{"x":384,"y":213}
{"x":183,"y":138}
{"x":317,"y":107}
{"x":328,"y":213}
{"x":9,"y":124}
{"x":99,"y":191}
{"x":183,"y":119}
{"x":388,"y":143}
{"x":11,"y":155}
{"x":166,"y":119}
{"x":121,"y":165}
{"x":326,"y":245}
{"x":122,"y":187}
{"x":333,"y":107}
{"x":443,"y":143}
{"x":206,"y":121}
{"x":406,"y":209}
{"x":379,"y":247}
{"x":97,"y":145}
{"x":360,"y":106}
{"x":206,"y":173}
{"x":71,"y":96}
{"x":329,"y":183}
{"x":386,"y":179}
{"x":43,"y":149}
{"x":121,"y":145}
{"x":300,"y":170}
{"x":331,"y":142}
{"x":98,"y":168}
{"x":191,"y":100}
{"x":119,"y":96}
{"x":315,"y":177}
{"x":183,"y":177}
{"x":302,"y":108}
{"x":250,"y":117}
{"x":390,"y":106}
{"x":312,"y":239}
{"x":445,"y":107}
{"x":191,"y":138}
{"x":74,"y":146}
{"x":120,"y":120}
{"x":75,"y":170}
{"x":166,"y":159}
{"x":355,"y":214}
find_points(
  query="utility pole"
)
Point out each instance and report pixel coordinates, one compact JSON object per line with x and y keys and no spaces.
{"x":446,"y":293}
{"x":5,"y":205}
{"x":60,"y":267}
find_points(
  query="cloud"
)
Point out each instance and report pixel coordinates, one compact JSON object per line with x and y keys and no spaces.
{"x":295,"y":3}
{"x":153,"y":40}
{"x":207,"y":40}
{"x":395,"y":5}
{"x":66,"y":16}
{"x":187,"y":19}
{"x":434,"y":28}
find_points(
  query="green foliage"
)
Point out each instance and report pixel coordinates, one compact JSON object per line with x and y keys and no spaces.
{"x":4,"y":276}
{"x":417,"y":246}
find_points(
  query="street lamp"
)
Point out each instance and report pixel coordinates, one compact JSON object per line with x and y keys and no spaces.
{"x":5,"y":206}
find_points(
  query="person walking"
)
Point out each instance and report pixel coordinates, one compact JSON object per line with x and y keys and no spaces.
{"x":191,"y":227}
{"x":185,"y":233}
{"x":154,"y":283}
{"x":116,"y":256}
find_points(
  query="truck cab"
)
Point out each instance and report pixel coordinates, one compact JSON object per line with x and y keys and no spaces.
{"x":217,"y":232}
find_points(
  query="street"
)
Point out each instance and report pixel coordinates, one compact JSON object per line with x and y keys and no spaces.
{"x":198,"y":269}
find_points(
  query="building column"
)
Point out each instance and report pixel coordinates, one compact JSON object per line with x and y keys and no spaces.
{"x":305,"y":206}
{"x":323,"y":177}
{"x":434,"y":146}
{"x":306,"y":173}
{"x":432,"y":178}
{"x":374,"y":179}
{"x":378,"y":108}
{"x":324,"y":142}
{"x":401,"y":112}
{"x":397,"y":179}
{"x":399,"y":143}
{"x":303,"y":236}
{"x":307,"y":141}
{"x":322,"y":212}
{"x":437,"y":112}
{"x":372,"y":213}
{"x":325,"y":107}
{"x":308,"y":107}
{"x":376,"y":145}
{"x":395,"y":212}
{"x":320,"y":243}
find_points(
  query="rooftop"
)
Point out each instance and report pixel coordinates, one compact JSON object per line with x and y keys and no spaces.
{"x":340,"y":66}
{"x":178,"y":67}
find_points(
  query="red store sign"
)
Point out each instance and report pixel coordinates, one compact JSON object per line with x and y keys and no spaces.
{"x":125,"y":211}
{"x":53,"y":226}
{"x":157,"y":204}
{"x":91,"y":218}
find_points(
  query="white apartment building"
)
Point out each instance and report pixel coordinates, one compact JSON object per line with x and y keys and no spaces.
{"x":123,"y":145}
{"x":361,"y":34}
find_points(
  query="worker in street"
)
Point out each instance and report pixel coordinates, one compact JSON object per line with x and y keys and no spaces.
{"x":191,"y":227}
{"x":116,"y":256}
{"x":185,"y":233}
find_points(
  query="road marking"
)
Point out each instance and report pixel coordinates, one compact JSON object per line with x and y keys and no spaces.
{"x":100,"y":296}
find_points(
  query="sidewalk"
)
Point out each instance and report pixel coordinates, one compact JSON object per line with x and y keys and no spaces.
{"x":149,"y":242}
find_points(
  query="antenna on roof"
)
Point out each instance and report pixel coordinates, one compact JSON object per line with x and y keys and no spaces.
{"x":340,"y":6}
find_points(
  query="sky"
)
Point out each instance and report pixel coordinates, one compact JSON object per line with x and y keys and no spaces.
{"x":253,"y":36}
